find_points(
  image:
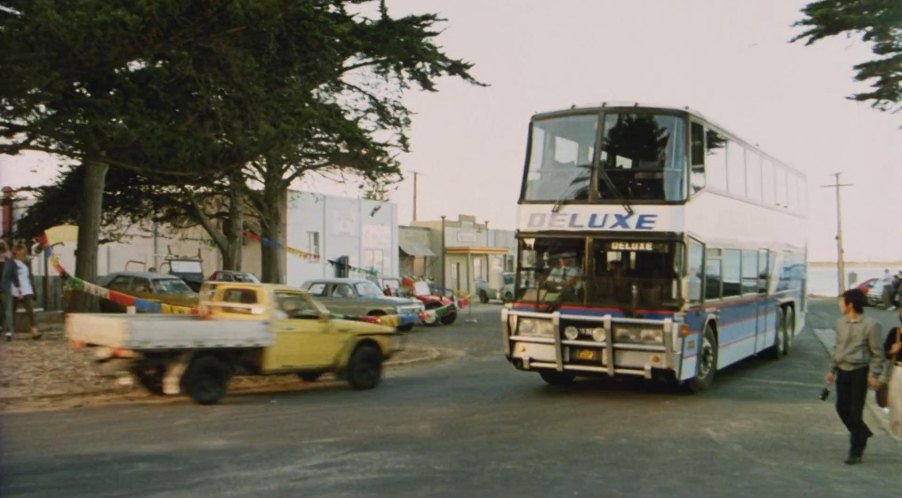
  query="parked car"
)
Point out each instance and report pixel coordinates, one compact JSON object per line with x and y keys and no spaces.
{"x":233,"y":276}
{"x":162,"y":287}
{"x":506,"y":293}
{"x":432,"y":298}
{"x":866,"y":285}
{"x":358,"y":296}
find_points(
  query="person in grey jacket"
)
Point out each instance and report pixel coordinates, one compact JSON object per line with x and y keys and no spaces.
{"x":858,"y":364}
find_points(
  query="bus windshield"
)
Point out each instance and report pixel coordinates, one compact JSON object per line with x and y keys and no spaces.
{"x":615,"y":272}
{"x":642,"y":158}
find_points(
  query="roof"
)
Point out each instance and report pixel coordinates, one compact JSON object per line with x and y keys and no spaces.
{"x":338,"y":280}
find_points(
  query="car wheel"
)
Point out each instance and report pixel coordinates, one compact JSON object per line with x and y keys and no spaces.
{"x":449,"y":318}
{"x":365,"y":367}
{"x":405,"y":328}
{"x":508,"y":297}
{"x":483,"y":297}
{"x":207,"y":379}
{"x":706,"y":364}
{"x":556,"y":378}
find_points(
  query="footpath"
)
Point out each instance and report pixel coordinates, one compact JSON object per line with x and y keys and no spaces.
{"x":827,"y":338}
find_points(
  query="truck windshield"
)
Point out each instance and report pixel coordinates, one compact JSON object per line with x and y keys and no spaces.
{"x":620,"y":273}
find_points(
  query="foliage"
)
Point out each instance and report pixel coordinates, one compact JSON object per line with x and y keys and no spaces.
{"x":880,"y":23}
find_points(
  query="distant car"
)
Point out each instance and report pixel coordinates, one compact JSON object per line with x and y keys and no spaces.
{"x":866,"y":285}
{"x":433,"y":298}
{"x":358,"y":296}
{"x":162,"y":287}
{"x":233,"y":276}
{"x":505,"y":293}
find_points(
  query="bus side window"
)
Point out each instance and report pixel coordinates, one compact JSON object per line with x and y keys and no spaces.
{"x":697,"y":171}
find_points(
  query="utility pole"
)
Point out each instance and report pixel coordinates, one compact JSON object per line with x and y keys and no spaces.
{"x":415,"y":175}
{"x":840,"y":263}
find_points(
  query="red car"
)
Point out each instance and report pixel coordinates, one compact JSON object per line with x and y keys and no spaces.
{"x":432,"y":300}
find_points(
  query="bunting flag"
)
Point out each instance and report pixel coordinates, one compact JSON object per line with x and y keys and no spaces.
{"x":141,"y":305}
{"x":266,"y":242}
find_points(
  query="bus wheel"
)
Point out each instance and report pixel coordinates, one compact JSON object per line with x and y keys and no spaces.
{"x":790,"y":328}
{"x":778,"y":350}
{"x":707,"y":363}
{"x":557,"y":378}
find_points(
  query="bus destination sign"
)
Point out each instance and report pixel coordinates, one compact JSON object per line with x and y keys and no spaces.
{"x":635,"y":246}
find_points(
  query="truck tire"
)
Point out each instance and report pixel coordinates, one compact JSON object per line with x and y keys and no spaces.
{"x":483,"y":297}
{"x":706,"y":364}
{"x":449,"y":318}
{"x":206,"y":380}
{"x":365,"y":367}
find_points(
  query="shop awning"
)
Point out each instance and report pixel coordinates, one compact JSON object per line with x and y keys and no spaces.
{"x":414,"y":249}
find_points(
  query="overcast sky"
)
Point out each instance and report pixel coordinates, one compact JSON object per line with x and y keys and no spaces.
{"x":730,"y":60}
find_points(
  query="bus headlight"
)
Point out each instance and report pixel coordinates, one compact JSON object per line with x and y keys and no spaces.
{"x":599,"y":334}
{"x":535,"y":328}
{"x":571,"y":332}
{"x":639,"y":335}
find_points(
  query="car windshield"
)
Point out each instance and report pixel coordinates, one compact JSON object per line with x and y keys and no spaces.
{"x":368,"y":289}
{"x":171,"y":286}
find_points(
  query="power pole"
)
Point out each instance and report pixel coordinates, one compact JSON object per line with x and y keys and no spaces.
{"x":415,"y":175}
{"x":840,"y":262}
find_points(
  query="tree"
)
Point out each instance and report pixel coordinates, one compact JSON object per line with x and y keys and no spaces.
{"x":880,"y":23}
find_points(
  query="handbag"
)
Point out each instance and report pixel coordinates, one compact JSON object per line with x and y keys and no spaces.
{"x":883,"y":392}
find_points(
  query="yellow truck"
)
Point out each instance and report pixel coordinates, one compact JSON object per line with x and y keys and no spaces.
{"x":242,"y":328}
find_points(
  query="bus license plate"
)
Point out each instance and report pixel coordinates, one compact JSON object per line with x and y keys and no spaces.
{"x":587,"y":354}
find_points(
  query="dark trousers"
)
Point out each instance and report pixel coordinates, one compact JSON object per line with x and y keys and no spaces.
{"x":851,"y":390}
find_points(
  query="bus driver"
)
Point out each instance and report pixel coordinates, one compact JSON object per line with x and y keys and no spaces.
{"x":566,"y":276}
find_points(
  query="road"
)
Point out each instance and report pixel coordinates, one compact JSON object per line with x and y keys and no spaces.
{"x":465,"y":425}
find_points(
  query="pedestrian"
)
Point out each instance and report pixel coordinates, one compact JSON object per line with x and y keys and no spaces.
{"x":893,"y":347}
{"x":8,"y":276}
{"x":24,"y":290}
{"x":858,"y":364}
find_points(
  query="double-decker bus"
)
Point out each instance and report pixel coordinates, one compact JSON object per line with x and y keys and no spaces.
{"x":685,"y":247}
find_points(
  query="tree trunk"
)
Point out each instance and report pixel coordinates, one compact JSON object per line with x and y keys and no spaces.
{"x":231,"y":257}
{"x":275,"y":203}
{"x":89,"y":233}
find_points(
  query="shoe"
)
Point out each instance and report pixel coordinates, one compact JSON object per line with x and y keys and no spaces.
{"x":853,"y":460}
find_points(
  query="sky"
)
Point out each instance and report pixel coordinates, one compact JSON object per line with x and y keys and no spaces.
{"x":730,"y":60}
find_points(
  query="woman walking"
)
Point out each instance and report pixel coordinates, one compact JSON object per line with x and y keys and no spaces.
{"x":7,"y":278}
{"x":24,"y":290}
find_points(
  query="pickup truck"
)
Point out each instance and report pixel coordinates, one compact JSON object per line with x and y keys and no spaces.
{"x":241,"y":328}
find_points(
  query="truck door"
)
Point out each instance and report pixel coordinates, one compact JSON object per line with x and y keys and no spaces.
{"x":303,"y":339}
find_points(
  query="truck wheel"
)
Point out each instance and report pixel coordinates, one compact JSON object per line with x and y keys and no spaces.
{"x":365,"y":367}
{"x":483,"y":297}
{"x":557,"y":378}
{"x":206,"y":380}
{"x":707,"y":363}
{"x":508,"y":297}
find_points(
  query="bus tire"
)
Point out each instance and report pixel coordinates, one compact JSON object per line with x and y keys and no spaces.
{"x":706,"y":364}
{"x":790,"y":327}
{"x":778,"y":350}
{"x":206,"y":380}
{"x":556,"y":378}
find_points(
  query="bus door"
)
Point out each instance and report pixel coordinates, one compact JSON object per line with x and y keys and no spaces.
{"x":763,"y":305}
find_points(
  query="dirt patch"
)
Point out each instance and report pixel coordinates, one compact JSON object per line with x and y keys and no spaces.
{"x":50,"y":374}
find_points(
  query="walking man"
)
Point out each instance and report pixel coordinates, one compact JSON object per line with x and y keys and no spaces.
{"x":858,"y":364}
